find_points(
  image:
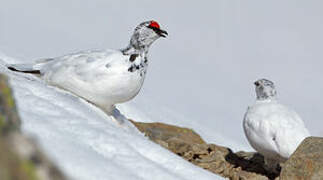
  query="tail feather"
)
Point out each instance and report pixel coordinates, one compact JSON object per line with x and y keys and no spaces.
{"x":30,"y":68}
{"x":25,"y":68}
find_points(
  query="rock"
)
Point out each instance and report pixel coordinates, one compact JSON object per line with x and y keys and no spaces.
{"x":306,"y":162}
{"x":217,"y":159}
{"x":20,"y":157}
{"x":9,"y":120}
{"x":165,"y":132}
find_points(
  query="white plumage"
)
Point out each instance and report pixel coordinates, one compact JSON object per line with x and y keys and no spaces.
{"x":104,"y":77}
{"x":271,"y":128}
{"x":101,"y":77}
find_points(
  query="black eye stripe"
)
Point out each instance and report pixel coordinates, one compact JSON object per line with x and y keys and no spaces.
{"x":157,"y":30}
{"x":153,"y":28}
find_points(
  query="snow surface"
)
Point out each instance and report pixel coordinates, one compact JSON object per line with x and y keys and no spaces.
{"x":87,"y":144}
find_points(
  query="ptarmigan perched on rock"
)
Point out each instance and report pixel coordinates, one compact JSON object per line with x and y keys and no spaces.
{"x":271,"y":128}
{"x":105,"y":77}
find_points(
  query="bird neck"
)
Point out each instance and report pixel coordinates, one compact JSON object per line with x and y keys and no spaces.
{"x":266,"y":100}
{"x":130,"y":49}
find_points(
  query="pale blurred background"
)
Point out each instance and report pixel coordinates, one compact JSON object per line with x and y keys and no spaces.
{"x":205,"y":69}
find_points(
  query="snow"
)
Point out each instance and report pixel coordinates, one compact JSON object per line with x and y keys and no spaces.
{"x":87,"y":144}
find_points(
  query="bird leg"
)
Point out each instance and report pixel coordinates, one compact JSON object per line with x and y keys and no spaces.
{"x":272,"y":165}
{"x":118,"y":117}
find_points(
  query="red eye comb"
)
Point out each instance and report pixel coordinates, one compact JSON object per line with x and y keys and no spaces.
{"x":154,"y":24}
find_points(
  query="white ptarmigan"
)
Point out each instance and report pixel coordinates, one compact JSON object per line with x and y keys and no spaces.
{"x":105,"y":77}
{"x":272,"y":129}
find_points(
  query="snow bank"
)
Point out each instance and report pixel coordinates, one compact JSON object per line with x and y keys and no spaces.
{"x":85,"y":143}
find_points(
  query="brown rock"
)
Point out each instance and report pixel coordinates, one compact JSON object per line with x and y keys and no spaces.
{"x":306,"y":163}
{"x":217,"y":159}
{"x":9,"y":120}
{"x":165,"y":132}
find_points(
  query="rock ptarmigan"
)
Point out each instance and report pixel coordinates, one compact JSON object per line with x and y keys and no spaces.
{"x":104,"y":77}
{"x":271,"y":128}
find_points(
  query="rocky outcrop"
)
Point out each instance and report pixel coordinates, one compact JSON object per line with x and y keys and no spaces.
{"x":306,"y":162}
{"x":20,"y":157}
{"x":217,"y":159}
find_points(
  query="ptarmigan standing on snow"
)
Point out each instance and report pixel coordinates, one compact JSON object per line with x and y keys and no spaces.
{"x":271,"y":128}
{"x":105,"y":77}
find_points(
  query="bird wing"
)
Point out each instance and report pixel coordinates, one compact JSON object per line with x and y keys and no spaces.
{"x":288,"y":129}
{"x":83,"y":66}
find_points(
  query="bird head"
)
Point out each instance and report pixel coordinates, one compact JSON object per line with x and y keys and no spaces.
{"x":265,"y":89}
{"x":145,"y":34}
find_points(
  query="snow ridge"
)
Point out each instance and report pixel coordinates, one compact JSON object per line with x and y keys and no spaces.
{"x":87,"y":144}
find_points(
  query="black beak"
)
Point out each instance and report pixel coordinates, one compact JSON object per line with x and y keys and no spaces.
{"x":160,"y":32}
{"x":256,"y":83}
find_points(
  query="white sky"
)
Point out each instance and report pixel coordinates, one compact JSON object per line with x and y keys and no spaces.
{"x":205,"y":69}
